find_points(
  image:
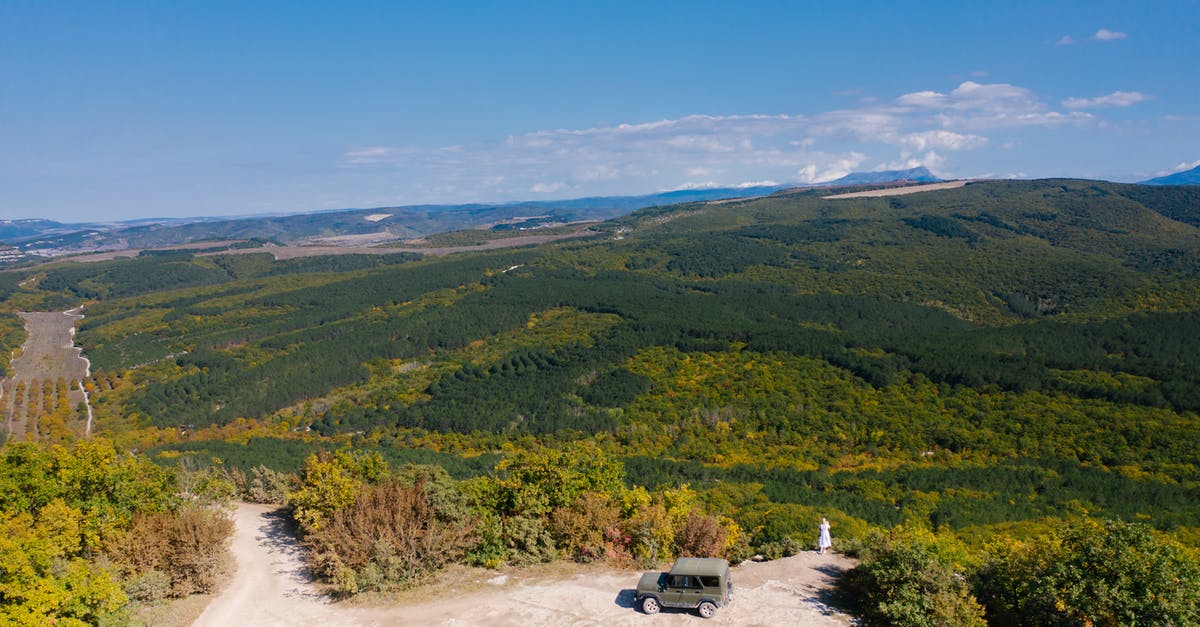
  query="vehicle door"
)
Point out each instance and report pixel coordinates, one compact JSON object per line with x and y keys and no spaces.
{"x":688,"y":592}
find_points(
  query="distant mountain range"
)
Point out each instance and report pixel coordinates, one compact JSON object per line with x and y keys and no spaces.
{"x":1187,"y":177}
{"x":47,"y":238}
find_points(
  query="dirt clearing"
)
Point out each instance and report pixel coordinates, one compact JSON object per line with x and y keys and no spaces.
{"x":45,"y":375}
{"x":899,"y":191}
{"x":272,"y":587}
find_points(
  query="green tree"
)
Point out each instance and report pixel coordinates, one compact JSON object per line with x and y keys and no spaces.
{"x":1103,"y":573}
{"x":330,"y":483}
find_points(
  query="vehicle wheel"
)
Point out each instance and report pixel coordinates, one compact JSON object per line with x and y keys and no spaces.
{"x":650,"y":605}
{"x":707,"y":610}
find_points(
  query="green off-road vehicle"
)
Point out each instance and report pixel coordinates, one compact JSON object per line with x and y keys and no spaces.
{"x":699,"y":583}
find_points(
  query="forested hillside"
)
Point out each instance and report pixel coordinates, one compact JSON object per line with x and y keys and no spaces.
{"x":982,"y":361}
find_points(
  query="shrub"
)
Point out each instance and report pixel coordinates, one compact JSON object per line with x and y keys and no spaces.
{"x":904,"y":580}
{"x":187,"y":545}
{"x":150,"y":586}
{"x":390,"y":535}
{"x":1097,"y":573}
{"x":528,"y":541}
{"x":262,"y":485}
{"x":701,"y":536}
{"x":579,"y":529}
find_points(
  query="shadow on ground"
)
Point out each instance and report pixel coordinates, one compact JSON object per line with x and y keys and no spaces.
{"x":828,"y":600}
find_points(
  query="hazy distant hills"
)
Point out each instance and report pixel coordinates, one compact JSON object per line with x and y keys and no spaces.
{"x":50,"y":239}
{"x":1187,"y":177}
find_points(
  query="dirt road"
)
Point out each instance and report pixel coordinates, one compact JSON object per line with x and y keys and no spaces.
{"x":272,"y":587}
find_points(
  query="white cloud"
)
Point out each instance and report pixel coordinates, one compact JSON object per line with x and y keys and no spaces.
{"x":1108,"y":35}
{"x":1065,"y":40}
{"x":690,"y":185}
{"x":947,"y":140}
{"x":922,"y":127}
{"x":547,"y":188}
{"x":829,"y":170}
{"x":368,"y":155}
{"x":931,"y":160}
{"x":1184,"y":165}
{"x":1115,"y":99}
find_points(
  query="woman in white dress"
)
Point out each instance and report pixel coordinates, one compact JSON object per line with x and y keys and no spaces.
{"x":824,"y":542}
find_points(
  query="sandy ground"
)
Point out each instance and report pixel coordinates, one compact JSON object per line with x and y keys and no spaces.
{"x":271,"y":587}
{"x":899,"y":191}
{"x":49,"y":353}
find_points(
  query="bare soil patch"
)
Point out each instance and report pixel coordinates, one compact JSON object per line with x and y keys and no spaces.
{"x":49,"y":354}
{"x":899,"y":191}
{"x":272,"y":587}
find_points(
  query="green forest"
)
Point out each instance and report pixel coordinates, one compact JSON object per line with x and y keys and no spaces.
{"x":946,"y":376}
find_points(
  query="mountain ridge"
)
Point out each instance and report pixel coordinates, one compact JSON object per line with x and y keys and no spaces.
{"x":1186,"y":177}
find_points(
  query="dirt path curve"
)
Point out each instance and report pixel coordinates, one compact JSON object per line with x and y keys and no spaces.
{"x":272,"y":587}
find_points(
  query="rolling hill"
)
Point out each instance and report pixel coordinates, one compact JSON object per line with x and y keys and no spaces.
{"x":972,"y":358}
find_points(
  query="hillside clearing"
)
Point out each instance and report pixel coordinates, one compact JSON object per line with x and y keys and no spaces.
{"x":899,"y":191}
{"x":48,"y":355}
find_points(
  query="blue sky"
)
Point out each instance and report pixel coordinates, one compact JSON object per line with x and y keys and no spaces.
{"x":116,"y":110}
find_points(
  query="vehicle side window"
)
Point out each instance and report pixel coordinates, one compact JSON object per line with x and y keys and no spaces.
{"x":710,"y":582}
{"x":680,"y":581}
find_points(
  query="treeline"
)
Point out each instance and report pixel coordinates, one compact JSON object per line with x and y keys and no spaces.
{"x":955,"y":496}
{"x":12,"y":336}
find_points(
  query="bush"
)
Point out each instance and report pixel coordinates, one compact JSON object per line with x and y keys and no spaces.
{"x":1092,"y":573}
{"x":187,"y":545}
{"x":904,"y":580}
{"x":579,"y":529}
{"x":701,"y":536}
{"x":391,"y":535}
{"x":528,"y":541}
{"x":262,"y":485}
{"x":148,"y":587}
